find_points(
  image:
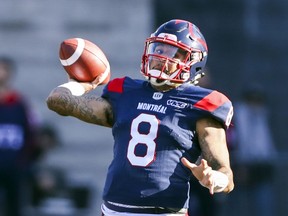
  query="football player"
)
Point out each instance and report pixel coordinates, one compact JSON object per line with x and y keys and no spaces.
{"x":165,"y":127}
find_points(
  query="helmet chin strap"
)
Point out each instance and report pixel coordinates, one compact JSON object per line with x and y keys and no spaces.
{"x":157,"y":73}
{"x":158,"y":82}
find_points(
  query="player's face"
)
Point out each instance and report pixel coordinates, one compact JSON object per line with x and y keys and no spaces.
{"x":165,"y":57}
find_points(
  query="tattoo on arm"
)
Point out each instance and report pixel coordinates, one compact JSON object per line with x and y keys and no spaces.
{"x":59,"y":105}
{"x":103,"y":113}
{"x":89,"y":108}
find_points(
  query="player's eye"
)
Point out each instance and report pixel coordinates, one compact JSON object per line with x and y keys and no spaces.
{"x":159,"y":51}
{"x":181,"y":54}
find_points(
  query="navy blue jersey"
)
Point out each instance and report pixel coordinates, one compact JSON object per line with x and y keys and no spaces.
{"x":15,"y":132}
{"x":152,"y":131}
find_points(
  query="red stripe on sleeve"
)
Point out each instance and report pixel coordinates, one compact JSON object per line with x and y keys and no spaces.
{"x":211,"y":101}
{"x":116,"y":85}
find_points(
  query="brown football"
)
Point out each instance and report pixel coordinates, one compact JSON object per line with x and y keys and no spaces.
{"x":84,"y":60}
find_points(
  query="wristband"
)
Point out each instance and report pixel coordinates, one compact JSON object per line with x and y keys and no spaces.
{"x":220,"y":181}
{"x":75,"y":88}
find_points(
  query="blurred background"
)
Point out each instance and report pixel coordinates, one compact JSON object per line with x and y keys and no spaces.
{"x":247,"y":43}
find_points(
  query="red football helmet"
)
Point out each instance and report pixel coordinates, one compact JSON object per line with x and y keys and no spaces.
{"x":174,"y":54}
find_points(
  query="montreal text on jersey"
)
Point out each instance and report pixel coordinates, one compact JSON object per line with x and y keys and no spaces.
{"x":152,"y":107}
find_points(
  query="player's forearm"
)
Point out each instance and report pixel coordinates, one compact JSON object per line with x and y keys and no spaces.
{"x":89,"y":108}
{"x":59,"y":101}
{"x":61,"y":98}
{"x":220,"y":162}
{"x":212,"y":140}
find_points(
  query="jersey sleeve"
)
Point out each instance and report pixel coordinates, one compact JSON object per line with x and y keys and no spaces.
{"x":118,"y":86}
{"x":113,"y":87}
{"x":217,"y":105}
{"x":112,"y":92}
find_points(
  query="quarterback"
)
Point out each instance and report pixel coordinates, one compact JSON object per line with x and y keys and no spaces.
{"x":166,"y":129}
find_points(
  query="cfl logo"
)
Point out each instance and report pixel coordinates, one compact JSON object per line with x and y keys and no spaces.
{"x":157,"y":95}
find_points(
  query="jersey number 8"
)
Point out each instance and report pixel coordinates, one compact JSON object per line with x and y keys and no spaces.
{"x":147,"y":139}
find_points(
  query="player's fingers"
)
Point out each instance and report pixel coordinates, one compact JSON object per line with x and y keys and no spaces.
{"x":187,"y":163}
{"x":99,"y":79}
{"x":206,"y":183}
{"x":96,"y":82}
{"x":207,"y":172}
{"x":204,"y":163}
{"x":211,"y":190}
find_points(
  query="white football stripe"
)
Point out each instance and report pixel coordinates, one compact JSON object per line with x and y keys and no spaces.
{"x":105,"y":74}
{"x":78,"y":52}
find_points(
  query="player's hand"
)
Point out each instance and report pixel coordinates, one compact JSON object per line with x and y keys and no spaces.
{"x":98,"y":80}
{"x":203,"y":172}
{"x":88,"y":86}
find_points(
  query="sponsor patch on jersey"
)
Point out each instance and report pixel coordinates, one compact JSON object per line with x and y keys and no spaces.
{"x":177,"y":104}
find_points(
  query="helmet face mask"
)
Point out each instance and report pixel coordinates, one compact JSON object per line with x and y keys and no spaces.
{"x":171,"y":53}
{"x":165,"y":62}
